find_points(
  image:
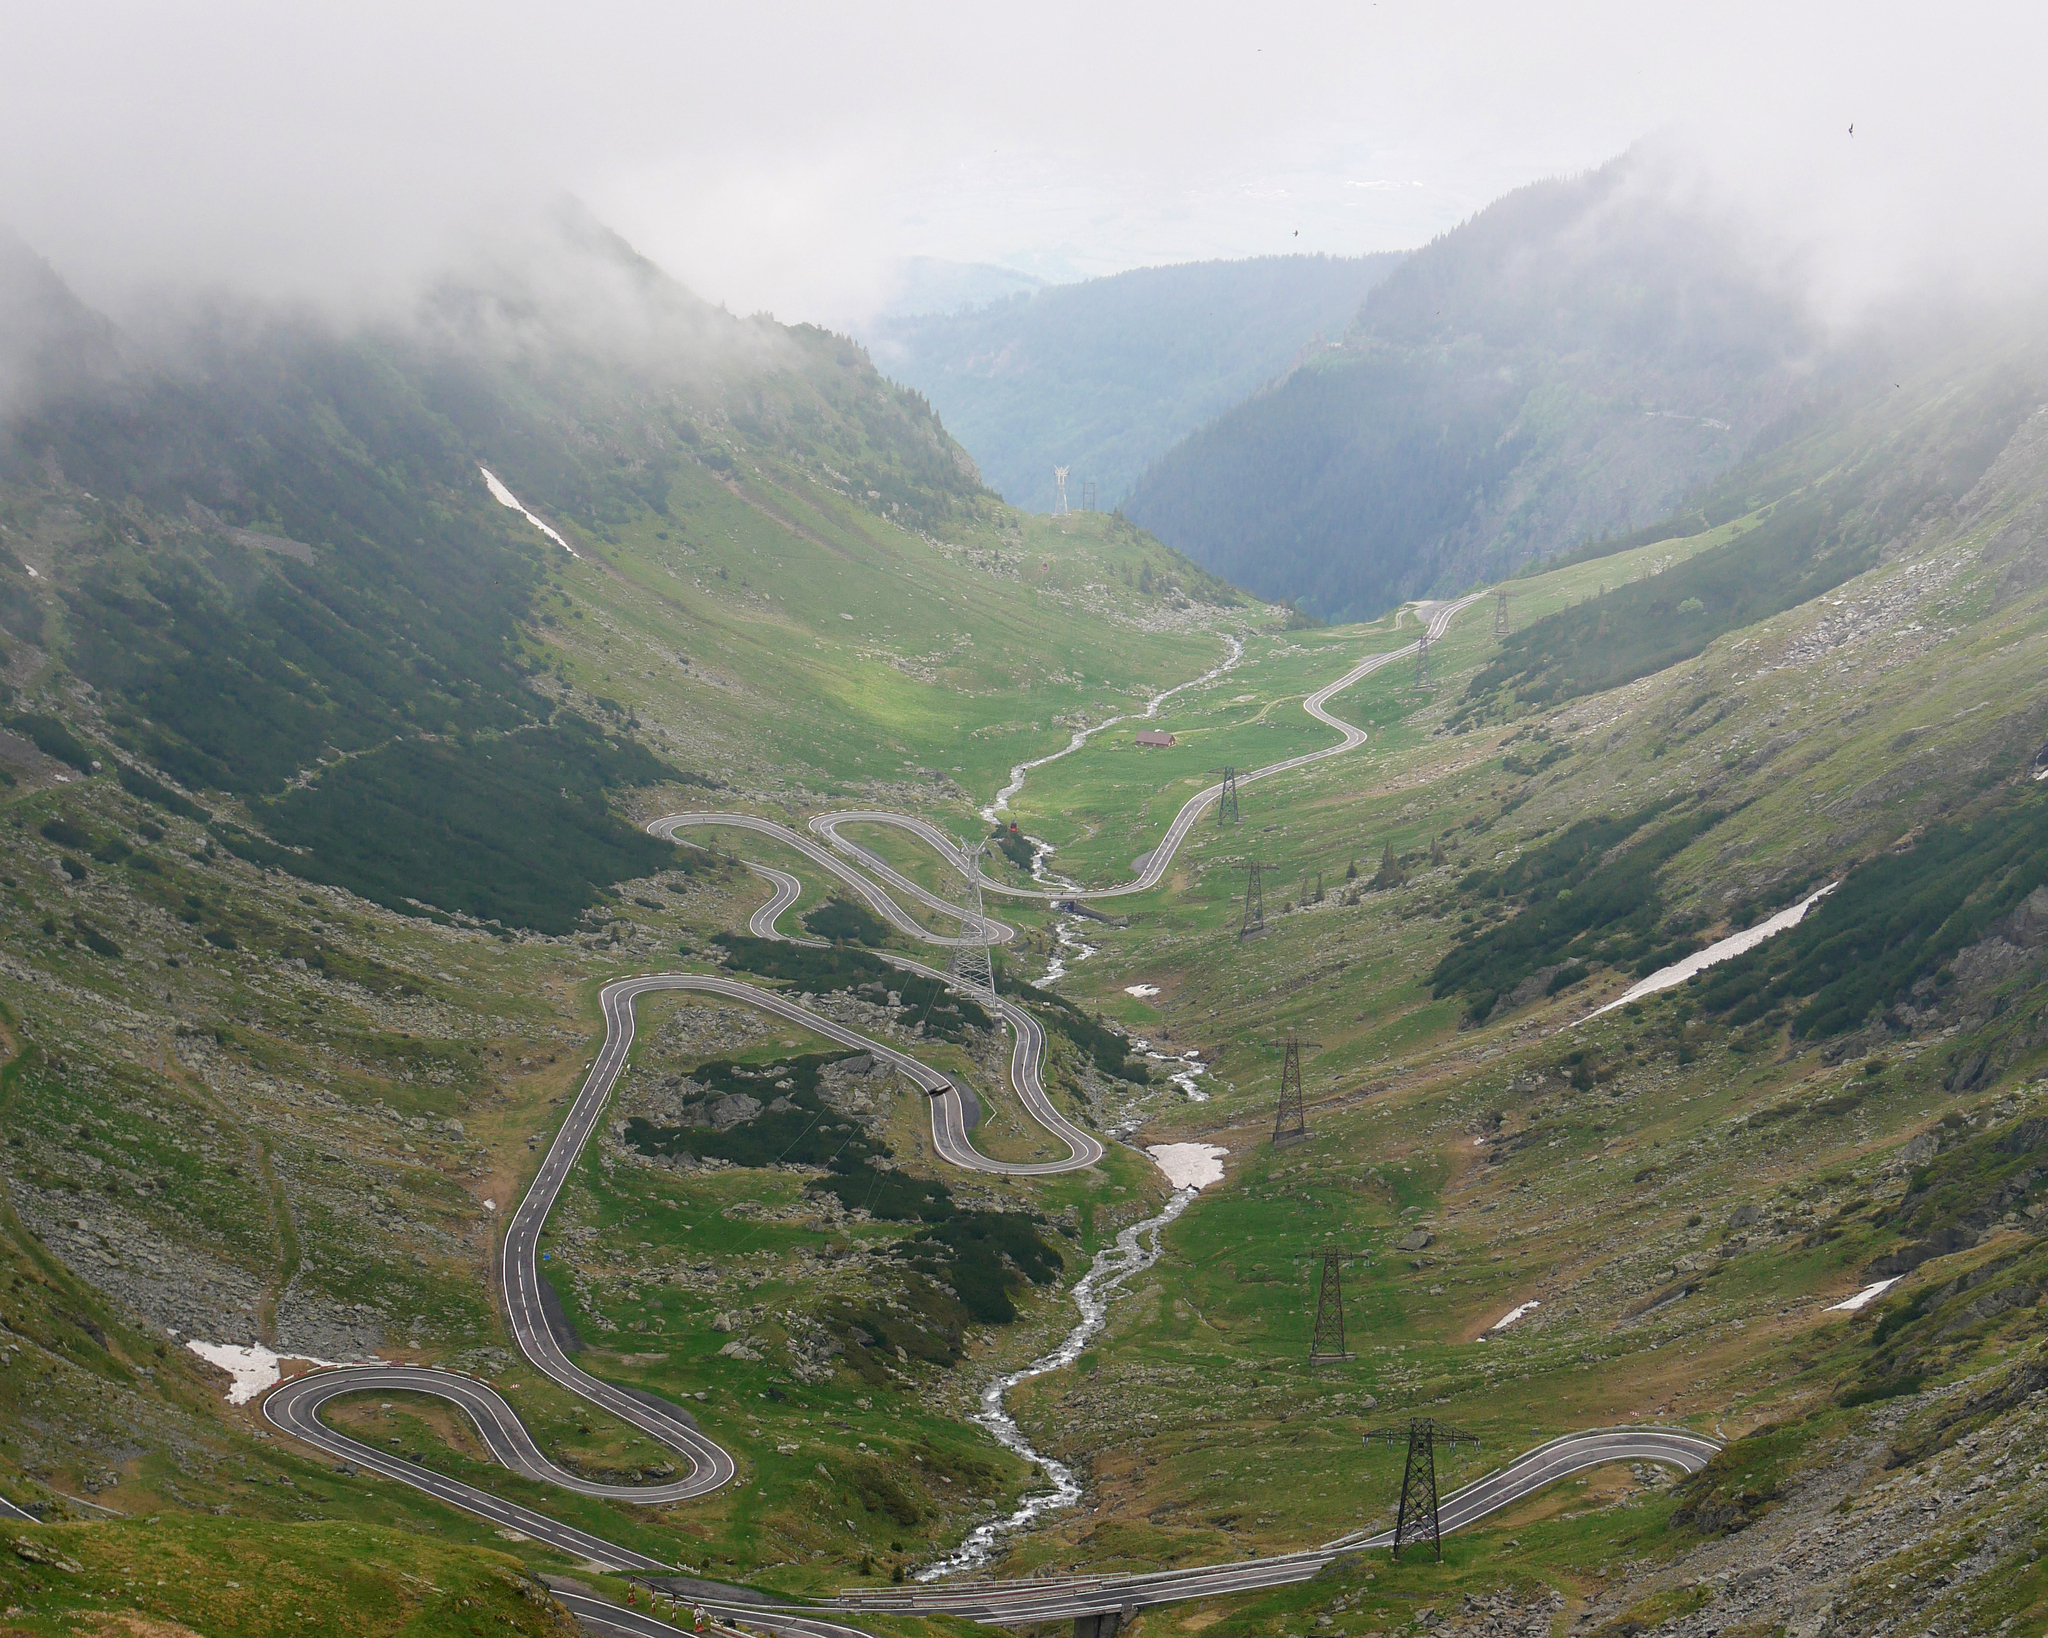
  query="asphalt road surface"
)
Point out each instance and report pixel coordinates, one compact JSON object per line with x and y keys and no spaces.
{"x":1053,"y":1598}
{"x":611,"y":1620}
{"x":992,"y":932}
{"x":294,"y":1407}
{"x":787,"y":891}
{"x":955,"y":1112}
{"x":842,"y":854}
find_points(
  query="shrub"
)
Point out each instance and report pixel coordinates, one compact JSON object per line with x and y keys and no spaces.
{"x":844,"y":967}
{"x":139,"y":784}
{"x":1895,"y":918}
{"x":844,"y":922}
{"x":511,"y":828}
{"x":53,"y":739}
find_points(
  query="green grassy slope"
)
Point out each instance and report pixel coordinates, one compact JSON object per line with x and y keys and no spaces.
{"x":247,"y":1105}
{"x":1682,"y":1187}
{"x":308,"y":892}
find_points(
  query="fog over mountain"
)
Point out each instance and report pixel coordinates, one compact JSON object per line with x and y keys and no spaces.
{"x":1570,"y":363}
{"x":792,"y":157}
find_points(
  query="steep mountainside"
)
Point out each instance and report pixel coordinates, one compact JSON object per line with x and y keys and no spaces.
{"x":1103,"y":376}
{"x":1661,"y":1212}
{"x":278,"y":570}
{"x":1569,"y":363}
{"x":322,"y":772}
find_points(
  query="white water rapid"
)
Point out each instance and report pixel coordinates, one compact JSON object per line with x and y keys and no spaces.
{"x":1112,"y":1266}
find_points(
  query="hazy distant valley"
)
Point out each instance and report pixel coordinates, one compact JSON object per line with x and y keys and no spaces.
{"x":1105,"y":376}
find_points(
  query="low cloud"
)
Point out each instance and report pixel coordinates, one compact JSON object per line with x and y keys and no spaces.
{"x":788,"y":157}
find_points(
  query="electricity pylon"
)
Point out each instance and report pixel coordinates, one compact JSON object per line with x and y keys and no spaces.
{"x":1059,"y":485}
{"x":1422,"y":660}
{"x":1418,"y":1516}
{"x":1329,"y":1338}
{"x":1290,"y":1121}
{"x":1226,"y":798}
{"x":971,"y":963}
{"x":1254,"y":899}
{"x":1500,"y":612}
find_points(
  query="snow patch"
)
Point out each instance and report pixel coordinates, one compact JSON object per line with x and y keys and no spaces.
{"x":1189,"y":1165}
{"x":1700,"y":960}
{"x":253,"y":1368}
{"x":1514,"y":1314}
{"x":505,"y":497}
{"x":1141,"y":991}
{"x":1867,"y":1294}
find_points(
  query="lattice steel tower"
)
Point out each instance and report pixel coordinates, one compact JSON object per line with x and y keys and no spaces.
{"x":1254,"y":900}
{"x":1329,"y":1337}
{"x":1059,"y":497}
{"x":971,"y":964}
{"x":1422,"y":659}
{"x":1500,"y":612}
{"x":1226,"y":798}
{"x":1418,"y":1516}
{"x":1290,"y":1121}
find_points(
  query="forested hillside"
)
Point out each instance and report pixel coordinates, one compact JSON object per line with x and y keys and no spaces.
{"x":1570,"y":362}
{"x":1103,"y":376}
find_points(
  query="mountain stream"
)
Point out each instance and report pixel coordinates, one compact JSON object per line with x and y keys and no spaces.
{"x":1136,"y":1249}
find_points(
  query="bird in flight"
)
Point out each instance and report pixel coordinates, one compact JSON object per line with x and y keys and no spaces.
{"x":1852,"y":127}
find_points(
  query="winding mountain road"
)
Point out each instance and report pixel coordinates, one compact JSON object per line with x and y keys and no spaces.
{"x":991,"y":932}
{"x":1053,"y":1598}
{"x":787,"y":891}
{"x":294,"y":1407}
{"x":1438,"y":617}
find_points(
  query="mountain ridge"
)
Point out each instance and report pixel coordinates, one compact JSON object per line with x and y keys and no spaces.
{"x":1103,"y":375}
{"x":1572,"y":360}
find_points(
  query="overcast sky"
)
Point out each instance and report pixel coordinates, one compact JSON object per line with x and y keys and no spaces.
{"x":787,"y":156}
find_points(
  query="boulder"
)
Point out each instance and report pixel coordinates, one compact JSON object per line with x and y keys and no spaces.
{"x":734,"y":1109}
